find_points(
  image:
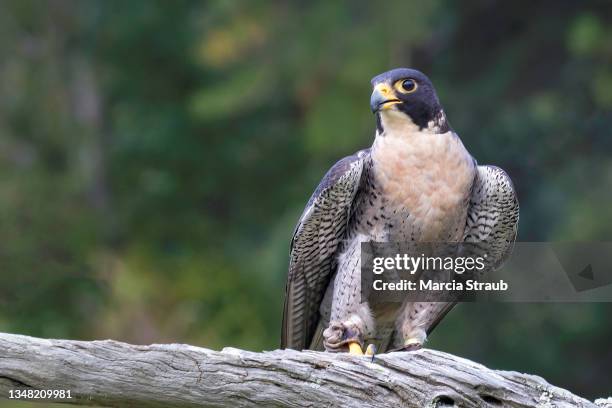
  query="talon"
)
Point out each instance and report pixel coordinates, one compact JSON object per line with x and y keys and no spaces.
{"x":355,"y":349}
{"x":371,"y":351}
{"x":409,"y":345}
{"x":412,"y":344}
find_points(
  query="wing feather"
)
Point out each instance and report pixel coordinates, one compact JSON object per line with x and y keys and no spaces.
{"x":314,"y":248}
{"x":493,"y":215}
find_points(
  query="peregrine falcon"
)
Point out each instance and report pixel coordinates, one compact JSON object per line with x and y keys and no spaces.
{"x":416,"y":183}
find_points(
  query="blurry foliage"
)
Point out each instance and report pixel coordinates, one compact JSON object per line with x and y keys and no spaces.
{"x":154,"y":157}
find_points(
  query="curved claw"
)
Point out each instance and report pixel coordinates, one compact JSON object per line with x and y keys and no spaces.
{"x":409,"y":345}
{"x":371,"y":351}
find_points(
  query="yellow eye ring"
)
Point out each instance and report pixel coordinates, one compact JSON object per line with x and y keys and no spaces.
{"x":406,"y":86}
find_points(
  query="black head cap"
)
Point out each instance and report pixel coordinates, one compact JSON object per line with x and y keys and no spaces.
{"x":411,"y":92}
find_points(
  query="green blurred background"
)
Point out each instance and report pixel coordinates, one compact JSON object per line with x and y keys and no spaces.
{"x":155,"y":155}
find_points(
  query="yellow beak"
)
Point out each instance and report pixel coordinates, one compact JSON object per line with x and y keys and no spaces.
{"x":382,"y":98}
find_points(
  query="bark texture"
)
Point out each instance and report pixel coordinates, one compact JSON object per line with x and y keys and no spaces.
{"x":114,"y":374}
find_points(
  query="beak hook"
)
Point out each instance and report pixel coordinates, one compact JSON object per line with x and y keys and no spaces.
{"x":382,"y":98}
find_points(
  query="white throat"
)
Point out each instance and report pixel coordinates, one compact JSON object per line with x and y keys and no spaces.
{"x":397,"y":122}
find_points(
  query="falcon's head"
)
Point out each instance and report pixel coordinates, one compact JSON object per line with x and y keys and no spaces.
{"x":407,"y":95}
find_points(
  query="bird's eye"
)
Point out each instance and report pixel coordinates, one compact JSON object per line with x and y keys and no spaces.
{"x":406,"y":85}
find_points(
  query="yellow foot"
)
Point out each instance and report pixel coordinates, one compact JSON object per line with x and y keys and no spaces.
{"x":355,"y":349}
{"x":412,"y":343}
{"x":371,"y":350}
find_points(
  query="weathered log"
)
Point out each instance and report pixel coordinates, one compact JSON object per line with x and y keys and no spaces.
{"x":114,"y":374}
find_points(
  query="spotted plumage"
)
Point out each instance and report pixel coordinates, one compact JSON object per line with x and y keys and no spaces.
{"x":416,"y":183}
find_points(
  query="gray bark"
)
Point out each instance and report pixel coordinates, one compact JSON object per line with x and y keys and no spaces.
{"x":110,"y":373}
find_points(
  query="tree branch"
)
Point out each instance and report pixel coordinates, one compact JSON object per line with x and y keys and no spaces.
{"x":110,"y":373}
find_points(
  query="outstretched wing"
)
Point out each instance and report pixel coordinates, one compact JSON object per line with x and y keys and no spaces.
{"x":492,"y":218}
{"x":314,"y":247}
